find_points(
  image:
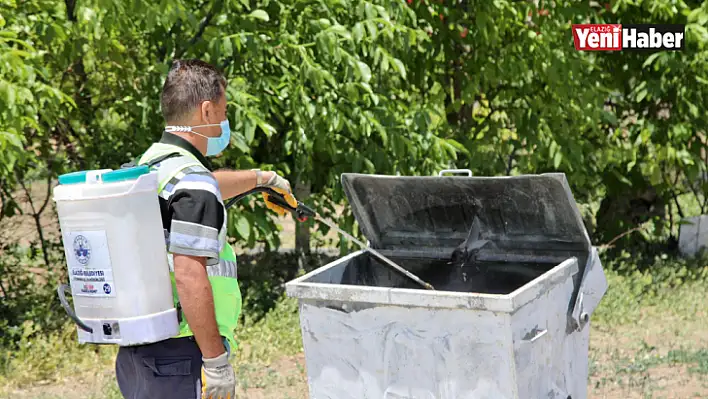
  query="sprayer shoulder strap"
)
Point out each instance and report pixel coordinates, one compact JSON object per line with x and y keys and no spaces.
{"x":152,"y":162}
{"x":180,"y":161}
{"x":161,"y":158}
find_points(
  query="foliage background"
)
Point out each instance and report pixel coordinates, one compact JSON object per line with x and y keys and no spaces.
{"x":321,"y":87}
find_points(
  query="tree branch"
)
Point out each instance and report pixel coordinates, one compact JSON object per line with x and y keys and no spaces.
{"x":671,"y":221}
{"x":162,"y":51}
{"x":27,"y":193}
{"x":509,"y":163}
{"x":668,"y":182}
{"x":8,"y":194}
{"x":2,"y":201}
{"x":70,"y":10}
{"x":612,"y":241}
{"x":49,"y":193}
{"x":678,"y":206}
{"x":2,"y":288}
{"x":200,"y":31}
{"x":37,"y":221}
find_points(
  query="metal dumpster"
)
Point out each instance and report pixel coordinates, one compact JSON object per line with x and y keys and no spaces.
{"x":513,"y":322}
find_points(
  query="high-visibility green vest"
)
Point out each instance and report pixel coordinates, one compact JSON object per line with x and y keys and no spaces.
{"x":223,"y":278}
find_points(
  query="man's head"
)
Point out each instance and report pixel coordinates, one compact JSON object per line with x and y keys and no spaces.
{"x":194,"y":94}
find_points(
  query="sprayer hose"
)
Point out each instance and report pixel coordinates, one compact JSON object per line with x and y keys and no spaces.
{"x":61,"y":291}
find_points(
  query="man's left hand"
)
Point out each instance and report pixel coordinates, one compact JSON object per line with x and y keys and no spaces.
{"x":275,"y":181}
{"x":282,"y":186}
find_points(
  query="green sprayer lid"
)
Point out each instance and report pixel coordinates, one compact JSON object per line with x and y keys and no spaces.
{"x":73,"y":178}
{"x":125,"y":174}
{"x":113,"y":176}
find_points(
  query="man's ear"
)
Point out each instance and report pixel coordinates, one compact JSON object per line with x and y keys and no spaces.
{"x":207,"y":111}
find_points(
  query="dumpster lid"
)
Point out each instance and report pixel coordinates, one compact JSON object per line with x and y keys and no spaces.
{"x":529,"y":216}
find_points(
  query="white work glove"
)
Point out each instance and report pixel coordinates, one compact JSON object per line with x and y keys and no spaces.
{"x":274,"y":182}
{"x":218,"y":378}
{"x":282,"y":186}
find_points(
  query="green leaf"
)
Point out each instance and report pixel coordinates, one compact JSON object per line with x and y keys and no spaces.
{"x":358,"y":31}
{"x":351,"y":92}
{"x":13,"y":139}
{"x":371,"y":26}
{"x":651,"y":59}
{"x":383,"y":134}
{"x":557,"y":159}
{"x":249,"y":130}
{"x":370,"y":11}
{"x":260,"y":14}
{"x":372,"y":95}
{"x":243,"y":228}
{"x":640,"y":91}
{"x":383,"y":13}
{"x":341,"y":31}
{"x":703,"y":18}
{"x":398,"y":66}
{"x":655,"y":177}
{"x":609,"y":117}
{"x":621,"y":178}
{"x":364,"y":71}
{"x":267,"y":128}
{"x":238,"y":141}
{"x":693,"y":109}
{"x":457,"y":146}
{"x":227,"y":47}
{"x":554,"y":147}
{"x":641,"y":95}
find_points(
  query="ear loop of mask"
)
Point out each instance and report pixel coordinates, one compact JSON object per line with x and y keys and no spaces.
{"x":188,"y":129}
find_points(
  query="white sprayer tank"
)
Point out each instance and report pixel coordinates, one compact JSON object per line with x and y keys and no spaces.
{"x":115,"y":251}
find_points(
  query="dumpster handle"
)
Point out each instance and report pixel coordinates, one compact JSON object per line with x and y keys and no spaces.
{"x":455,"y":171}
{"x":534,"y":334}
{"x":539,"y":334}
{"x":592,"y":287}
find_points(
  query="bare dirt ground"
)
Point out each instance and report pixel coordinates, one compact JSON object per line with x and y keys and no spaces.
{"x":663,"y":355}
{"x":22,"y":227}
{"x":625,"y":363}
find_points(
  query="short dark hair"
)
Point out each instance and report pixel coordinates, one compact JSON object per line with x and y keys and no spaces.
{"x":188,"y":84}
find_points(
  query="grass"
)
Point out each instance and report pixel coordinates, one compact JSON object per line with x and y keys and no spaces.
{"x":54,"y":364}
{"x":649,"y":336}
{"x":649,"y":339}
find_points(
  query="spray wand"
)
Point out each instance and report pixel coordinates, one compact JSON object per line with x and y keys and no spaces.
{"x":302,"y":212}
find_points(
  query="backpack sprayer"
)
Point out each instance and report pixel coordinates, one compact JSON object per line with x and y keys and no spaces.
{"x":115,"y":250}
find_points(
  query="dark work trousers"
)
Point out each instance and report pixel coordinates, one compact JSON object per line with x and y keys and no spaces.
{"x":170,"y":369}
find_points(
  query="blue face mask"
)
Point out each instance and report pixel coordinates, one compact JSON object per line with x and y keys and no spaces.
{"x":214,"y":144}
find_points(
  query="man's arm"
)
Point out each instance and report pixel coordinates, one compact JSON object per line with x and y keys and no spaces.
{"x":195,"y":296}
{"x":235,"y":182}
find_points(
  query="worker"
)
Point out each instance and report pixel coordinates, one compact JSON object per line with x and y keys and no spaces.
{"x":195,"y":363}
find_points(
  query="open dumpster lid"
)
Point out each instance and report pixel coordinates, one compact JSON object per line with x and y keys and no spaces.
{"x":527,"y":217}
